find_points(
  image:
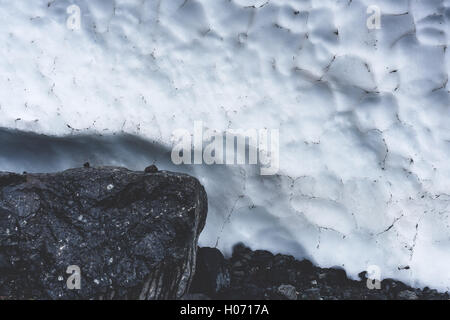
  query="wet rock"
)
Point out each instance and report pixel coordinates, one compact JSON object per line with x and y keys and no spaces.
{"x":132,"y":235}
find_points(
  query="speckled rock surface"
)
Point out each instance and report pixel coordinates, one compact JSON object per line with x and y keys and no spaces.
{"x":132,"y":234}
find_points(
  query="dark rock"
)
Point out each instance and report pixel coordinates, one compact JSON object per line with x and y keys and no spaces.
{"x":262,"y":258}
{"x":241,"y":252}
{"x":305,"y":267}
{"x":244,"y":292}
{"x":212,"y":273}
{"x":336,"y":276}
{"x":239,"y":273}
{"x":392,"y":287}
{"x":151,"y":169}
{"x":311,"y":294}
{"x":195,"y":296}
{"x":362,"y":275}
{"x":262,"y":275}
{"x":407,"y":295}
{"x":86,"y":165}
{"x":133,"y":235}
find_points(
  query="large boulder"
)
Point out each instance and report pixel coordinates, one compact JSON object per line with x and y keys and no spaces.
{"x":133,"y":235}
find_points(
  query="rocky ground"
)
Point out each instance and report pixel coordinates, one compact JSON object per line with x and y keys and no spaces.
{"x":260,"y":274}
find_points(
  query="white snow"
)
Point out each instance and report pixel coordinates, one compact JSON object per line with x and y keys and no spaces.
{"x":364,"y":115}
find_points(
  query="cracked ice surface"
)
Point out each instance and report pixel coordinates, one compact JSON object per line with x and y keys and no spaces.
{"x":364,"y":115}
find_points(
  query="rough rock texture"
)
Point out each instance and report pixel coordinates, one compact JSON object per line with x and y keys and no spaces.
{"x":262,"y":275}
{"x":133,"y":234}
{"x":212,"y":274}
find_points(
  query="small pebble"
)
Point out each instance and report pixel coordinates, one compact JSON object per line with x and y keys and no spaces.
{"x":151,"y":169}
